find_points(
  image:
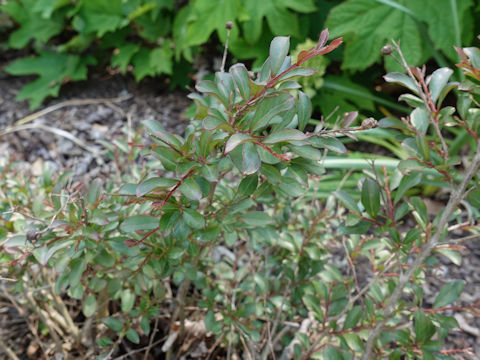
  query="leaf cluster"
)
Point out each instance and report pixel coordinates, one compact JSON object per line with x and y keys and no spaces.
{"x":227,"y":220}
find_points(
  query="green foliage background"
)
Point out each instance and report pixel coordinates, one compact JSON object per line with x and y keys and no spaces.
{"x":162,"y":37}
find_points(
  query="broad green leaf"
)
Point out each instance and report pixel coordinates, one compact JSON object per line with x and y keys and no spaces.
{"x":255,"y":219}
{"x":53,"y":69}
{"x":193,"y":219}
{"x":354,"y":342}
{"x":368,"y":25}
{"x":402,"y":79}
{"x":312,"y":302}
{"x":127,"y":300}
{"x":420,"y":120}
{"x":298,"y":71}
{"x":77,"y":267}
{"x":32,"y":24}
{"x":94,"y":191}
{"x":247,"y":186}
{"x":278,"y":51}
{"x":285,"y":135}
{"x":424,"y":329}
{"x":347,"y":201}
{"x":145,"y":325}
{"x":423,"y":147}
{"x":208,"y":16}
{"x":242,"y":80}
{"x":235,"y":140}
{"x":158,"y":132}
{"x":449,"y":22}
{"x":353,"y":317}
{"x":407,"y":182}
{"x":269,"y":107}
{"x":332,"y":353}
{"x":139,"y":222}
{"x":304,"y":110}
{"x":290,"y":187}
{"x":246,"y":158}
{"x":191,"y":189}
{"x":330,"y":143}
{"x":153,"y":183}
{"x":438,"y":81}
{"x":113,"y":324}
{"x":371,"y":197}
{"x":307,"y":152}
{"x":449,"y":293}
{"x":133,"y":336}
{"x":99,"y":17}
{"x":89,"y":305}
{"x":123,"y":55}
{"x":278,"y":17}
{"x":211,"y":323}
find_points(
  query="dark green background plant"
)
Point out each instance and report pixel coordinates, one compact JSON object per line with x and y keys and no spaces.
{"x":162,"y":37}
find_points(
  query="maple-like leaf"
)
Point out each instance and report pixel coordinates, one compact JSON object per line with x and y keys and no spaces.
{"x":367,"y":25}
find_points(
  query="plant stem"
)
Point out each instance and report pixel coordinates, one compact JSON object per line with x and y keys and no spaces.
{"x":455,"y":198}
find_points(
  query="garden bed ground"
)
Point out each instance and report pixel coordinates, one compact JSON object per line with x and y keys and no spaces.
{"x":129,"y":104}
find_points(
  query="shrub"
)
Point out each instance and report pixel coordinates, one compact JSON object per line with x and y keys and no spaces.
{"x":221,"y":232}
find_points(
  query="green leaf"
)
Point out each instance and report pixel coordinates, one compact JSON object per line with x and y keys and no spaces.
{"x":407,"y":182}
{"x":449,"y":22}
{"x":235,"y":140}
{"x":371,"y":197}
{"x":53,"y":69}
{"x":420,"y":325}
{"x":133,"y":336}
{"x":285,"y":135}
{"x":279,"y":18}
{"x":367,"y":26}
{"x":402,"y":79}
{"x":347,"y":201}
{"x":242,"y":80}
{"x":89,"y":305}
{"x":145,"y":325}
{"x":304,"y":110}
{"x":353,"y":317}
{"x":77,"y":267}
{"x":298,"y":71}
{"x":113,"y":324}
{"x":449,"y":293}
{"x":420,"y":120}
{"x":191,"y":189}
{"x":332,"y":353}
{"x":148,"y":185}
{"x":255,"y":219}
{"x":246,"y":158}
{"x":247,"y":186}
{"x":127,"y":300}
{"x":139,"y":222}
{"x":312,"y":302}
{"x":211,"y":323}
{"x":94,"y":191}
{"x":193,"y":219}
{"x":32,"y":25}
{"x":123,"y":55}
{"x":269,"y":107}
{"x":207,"y":16}
{"x":99,"y":17}
{"x":278,"y":51}
{"x":329,"y":143}
{"x":438,"y":80}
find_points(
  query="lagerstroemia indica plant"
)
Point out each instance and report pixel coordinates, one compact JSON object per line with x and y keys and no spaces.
{"x":224,"y":225}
